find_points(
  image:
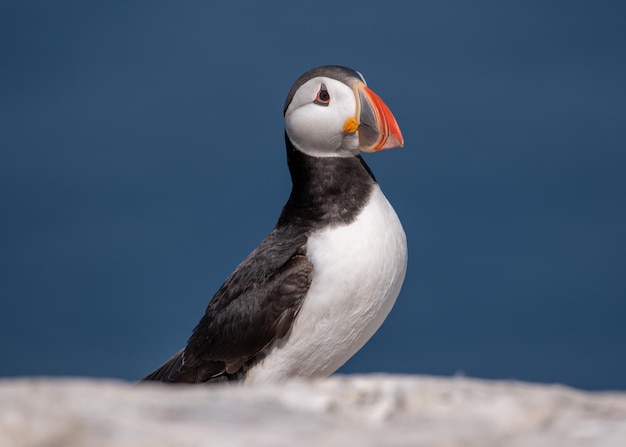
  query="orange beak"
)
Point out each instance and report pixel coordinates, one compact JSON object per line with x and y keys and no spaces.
{"x":378,"y":129}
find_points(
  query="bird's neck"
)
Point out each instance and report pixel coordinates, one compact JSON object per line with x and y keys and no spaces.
{"x":326,"y":190}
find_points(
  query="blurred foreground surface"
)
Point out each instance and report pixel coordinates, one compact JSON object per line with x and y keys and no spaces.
{"x":343,"y":410}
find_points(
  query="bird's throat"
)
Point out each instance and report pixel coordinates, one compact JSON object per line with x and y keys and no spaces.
{"x":328,"y":190}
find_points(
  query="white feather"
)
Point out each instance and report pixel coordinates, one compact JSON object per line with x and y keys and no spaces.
{"x":358,"y":270}
{"x":318,"y":130}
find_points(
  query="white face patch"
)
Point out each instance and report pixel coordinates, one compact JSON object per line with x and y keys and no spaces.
{"x":315,"y":126}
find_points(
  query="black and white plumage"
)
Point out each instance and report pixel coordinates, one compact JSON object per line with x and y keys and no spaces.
{"x":325,"y":278}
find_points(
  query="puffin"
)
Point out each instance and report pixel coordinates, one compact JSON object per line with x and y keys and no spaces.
{"x":326,"y":277}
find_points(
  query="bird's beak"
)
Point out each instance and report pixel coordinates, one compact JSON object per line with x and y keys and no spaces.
{"x":377,"y":126}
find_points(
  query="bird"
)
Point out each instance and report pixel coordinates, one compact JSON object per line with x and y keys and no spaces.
{"x":327,"y":275}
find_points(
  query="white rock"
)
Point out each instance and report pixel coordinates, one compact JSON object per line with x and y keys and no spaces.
{"x":342,"y":411}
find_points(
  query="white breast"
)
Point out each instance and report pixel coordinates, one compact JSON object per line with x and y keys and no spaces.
{"x":358,"y":270}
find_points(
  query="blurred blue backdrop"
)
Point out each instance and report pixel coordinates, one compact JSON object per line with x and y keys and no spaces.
{"x":142,"y":159}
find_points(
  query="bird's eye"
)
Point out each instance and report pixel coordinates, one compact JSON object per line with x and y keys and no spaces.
{"x":322,"y":98}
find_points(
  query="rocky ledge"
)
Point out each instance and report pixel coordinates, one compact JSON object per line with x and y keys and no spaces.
{"x":340,"y":411}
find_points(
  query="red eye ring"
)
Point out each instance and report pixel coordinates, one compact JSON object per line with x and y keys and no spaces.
{"x":322,"y":98}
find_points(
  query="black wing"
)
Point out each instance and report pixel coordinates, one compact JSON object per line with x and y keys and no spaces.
{"x":255,"y":306}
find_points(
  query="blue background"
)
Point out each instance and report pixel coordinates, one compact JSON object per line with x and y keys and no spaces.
{"x":142,"y":159}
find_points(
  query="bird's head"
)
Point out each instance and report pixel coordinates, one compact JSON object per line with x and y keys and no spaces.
{"x":330,"y":112}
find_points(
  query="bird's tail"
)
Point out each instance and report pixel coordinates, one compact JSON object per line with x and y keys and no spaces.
{"x":170,"y":372}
